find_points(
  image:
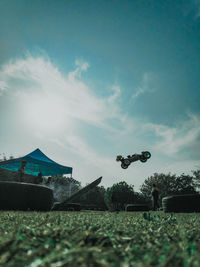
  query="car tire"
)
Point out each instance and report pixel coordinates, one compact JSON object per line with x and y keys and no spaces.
{"x":66,"y":207}
{"x":137,"y":207}
{"x":181,"y":203}
{"x":124,"y":166}
{"x":119,"y":158}
{"x":25,"y":196}
{"x":146,"y":154}
{"x":143,"y":160}
{"x":127,"y":162}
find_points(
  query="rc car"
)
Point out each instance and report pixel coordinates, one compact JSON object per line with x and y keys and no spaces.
{"x":125,"y":162}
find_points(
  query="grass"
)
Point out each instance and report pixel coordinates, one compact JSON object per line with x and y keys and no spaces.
{"x":99,"y":239}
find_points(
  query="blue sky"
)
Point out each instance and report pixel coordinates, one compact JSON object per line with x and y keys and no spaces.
{"x":87,"y":80}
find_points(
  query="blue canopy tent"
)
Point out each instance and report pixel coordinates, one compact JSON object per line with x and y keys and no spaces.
{"x":36,"y":162}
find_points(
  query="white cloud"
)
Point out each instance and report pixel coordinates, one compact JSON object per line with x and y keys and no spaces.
{"x":52,"y":106}
{"x":175,"y":139}
{"x":50,"y":111}
{"x":3,"y":87}
{"x":38,"y":83}
{"x":80,"y":67}
{"x":147,"y":85}
{"x":116,"y":93}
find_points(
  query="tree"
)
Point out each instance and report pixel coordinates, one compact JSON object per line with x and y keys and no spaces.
{"x":118,"y":195}
{"x":4,"y":157}
{"x":196,"y":175}
{"x":94,"y":198}
{"x":63,"y":180}
{"x":139,"y":198}
{"x":63,"y":187}
{"x":185,"y":184}
{"x":168,"y":185}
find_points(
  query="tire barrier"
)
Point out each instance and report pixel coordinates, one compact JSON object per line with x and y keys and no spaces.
{"x":66,"y":207}
{"x":181,"y":203}
{"x":93,"y":207}
{"x":137,"y":207}
{"x":25,"y":196}
{"x":6,"y":175}
{"x":12,"y":176}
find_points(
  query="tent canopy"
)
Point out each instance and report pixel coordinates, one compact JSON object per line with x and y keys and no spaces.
{"x":36,"y":162}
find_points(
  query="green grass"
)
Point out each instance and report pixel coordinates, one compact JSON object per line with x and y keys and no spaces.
{"x":99,"y":239}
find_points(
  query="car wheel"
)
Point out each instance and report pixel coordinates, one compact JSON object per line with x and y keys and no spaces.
{"x":137,"y":207}
{"x":127,"y":162}
{"x":124,"y":166}
{"x":119,"y":158}
{"x":143,"y":160}
{"x":66,"y":207}
{"x":146,"y":154}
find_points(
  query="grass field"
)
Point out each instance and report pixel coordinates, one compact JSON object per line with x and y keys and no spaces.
{"x":90,"y":238}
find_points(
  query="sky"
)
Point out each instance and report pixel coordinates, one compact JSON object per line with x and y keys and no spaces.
{"x":86,"y":81}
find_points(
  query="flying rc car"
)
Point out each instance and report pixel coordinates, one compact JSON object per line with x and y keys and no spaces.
{"x":125,"y":162}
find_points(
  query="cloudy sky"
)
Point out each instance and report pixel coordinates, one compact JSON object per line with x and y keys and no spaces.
{"x":85,"y":81}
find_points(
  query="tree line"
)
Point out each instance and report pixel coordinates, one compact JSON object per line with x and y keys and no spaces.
{"x":120,"y":194}
{"x":3,"y":157}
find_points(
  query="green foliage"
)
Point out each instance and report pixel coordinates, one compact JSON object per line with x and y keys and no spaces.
{"x":168,"y":185}
{"x":99,"y":239}
{"x":196,"y":175}
{"x":118,"y":195}
{"x":62,"y":186}
{"x":63,"y":180}
{"x":3,"y":157}
{"x":139,"y":198}
{"x":93,"y":199}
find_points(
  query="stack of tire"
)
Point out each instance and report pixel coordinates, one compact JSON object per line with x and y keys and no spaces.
{"x":25,"y":196}
{"x":181,"y":203}
{"x":137,"y":207}
{"x":57,"y":206}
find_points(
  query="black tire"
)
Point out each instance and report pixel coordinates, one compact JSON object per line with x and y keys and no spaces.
{"x":119,"y":158}
{"x":124,"y":166}
{"x":25,"y":196}
{"x":66,"y":207}
{"x":127,"y":162}
{"x":181,"y":203}
{"x":137,"y":207}
{"x":146,"y":154}
{"x":143,"y":160}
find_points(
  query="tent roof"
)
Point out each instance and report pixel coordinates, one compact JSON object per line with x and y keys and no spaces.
{"x":37,"y":162}
{"x":39,"y":155}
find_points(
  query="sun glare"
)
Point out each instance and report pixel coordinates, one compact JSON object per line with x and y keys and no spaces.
{"x":45,"y":113}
